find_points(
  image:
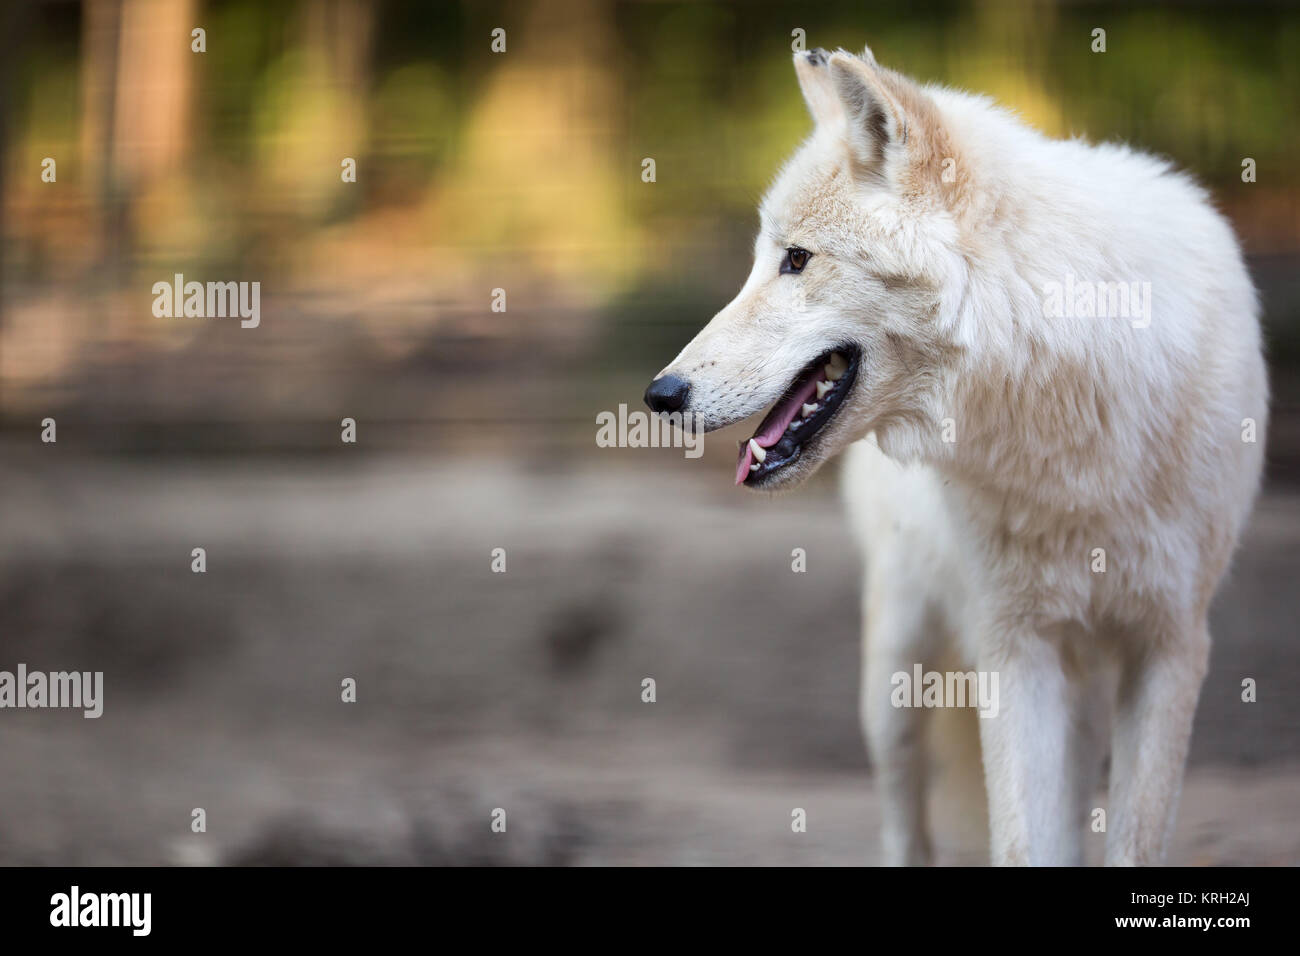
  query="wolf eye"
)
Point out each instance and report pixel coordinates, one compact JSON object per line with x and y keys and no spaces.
{"x":794,"y":261}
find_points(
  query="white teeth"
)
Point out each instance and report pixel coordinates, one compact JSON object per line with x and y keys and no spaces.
{"x":836,"y":367}
{"x":759,"y":451}
{"x":823,"y":388}
{"x":753,"y":467}
{"x":809,"y":409}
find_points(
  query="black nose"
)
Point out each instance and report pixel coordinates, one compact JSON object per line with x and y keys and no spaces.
{"x":667,"y":394}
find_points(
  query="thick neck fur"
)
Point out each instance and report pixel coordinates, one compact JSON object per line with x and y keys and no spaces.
{"x":1031,"y":396}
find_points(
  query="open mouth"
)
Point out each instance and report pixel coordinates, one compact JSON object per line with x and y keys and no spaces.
{"x":804,"y":410}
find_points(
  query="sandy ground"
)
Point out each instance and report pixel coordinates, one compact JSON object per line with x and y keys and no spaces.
{"x":519,"y":690}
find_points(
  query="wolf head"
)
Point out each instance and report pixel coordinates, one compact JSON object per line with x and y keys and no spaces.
{"x":850,"y":313}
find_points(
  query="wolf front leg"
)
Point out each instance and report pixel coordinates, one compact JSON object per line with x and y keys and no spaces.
{"x":1153,"y":727}
{"x":893,"y":640}
{"x":1030,"y":786}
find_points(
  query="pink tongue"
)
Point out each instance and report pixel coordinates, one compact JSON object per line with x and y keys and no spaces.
{"x":742,"y":469}
{"x":777,"y":421}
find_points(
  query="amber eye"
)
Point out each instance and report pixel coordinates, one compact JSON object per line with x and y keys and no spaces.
{"x":794,"y":261}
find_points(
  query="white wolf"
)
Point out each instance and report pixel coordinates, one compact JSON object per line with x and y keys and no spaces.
{"x":1049,"y":494}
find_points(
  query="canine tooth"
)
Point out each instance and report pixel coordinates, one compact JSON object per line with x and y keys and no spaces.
{"x":754,"y":467}
{"x":759,"y":451}
{"x":809,"y":409}
{"x":823,"y":388}
{"x":836,"y":367}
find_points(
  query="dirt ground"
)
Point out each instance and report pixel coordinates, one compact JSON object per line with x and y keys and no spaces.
{"x":521,"y":691}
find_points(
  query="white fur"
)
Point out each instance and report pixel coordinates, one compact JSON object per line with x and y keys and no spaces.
{"x":1071,"y":434}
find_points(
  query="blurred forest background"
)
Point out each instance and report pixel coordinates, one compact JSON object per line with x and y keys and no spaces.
{"x":518,"y":170}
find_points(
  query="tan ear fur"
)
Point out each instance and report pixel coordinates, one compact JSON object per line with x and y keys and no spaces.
{"x":893,"y":129}
{"x":815,"y":83}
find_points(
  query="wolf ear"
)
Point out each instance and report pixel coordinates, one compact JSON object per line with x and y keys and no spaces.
{"x":811,"y":68}
{"x":874,"y":120}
